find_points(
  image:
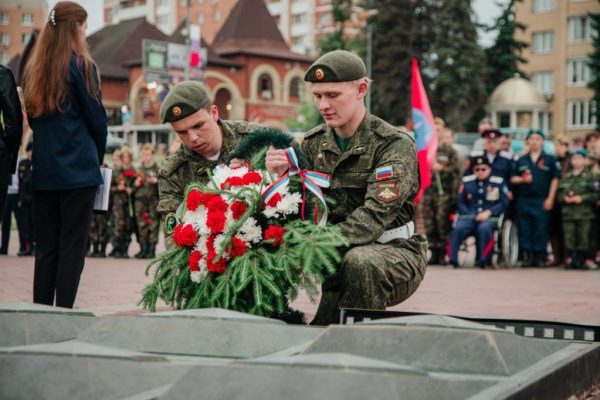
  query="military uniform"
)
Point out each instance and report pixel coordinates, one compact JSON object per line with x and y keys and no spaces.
{"x":146,"y":213}
{"x":187,"y":166}
{"x":99,"y":235}
{"x":439,"y":201}
{"x":26,"y":206}
{"x":501,"y":163}
{"x":532,"y":219}
{"x":475,"y":197}
{"x":122,"y":211}
{"x":578,"y":218}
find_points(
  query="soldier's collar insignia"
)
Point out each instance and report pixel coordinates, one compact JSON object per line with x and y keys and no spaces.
{"x":170,"y":223}
{"x":325,"y":144}
{"x":360,"y":147}
{"x":319,"y":74}
{"x":176,"y":111}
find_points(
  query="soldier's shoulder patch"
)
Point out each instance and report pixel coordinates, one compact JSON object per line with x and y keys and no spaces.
{"x":476,"y":153}
{"x":170,"y":223}
{"x":382,"y":173}
{"x":506,"y":154}
{"x":496,"y":179}
{"x":387,"y":191}
{"x":468,"y":178}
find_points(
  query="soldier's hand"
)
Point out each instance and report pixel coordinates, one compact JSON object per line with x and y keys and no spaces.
{"x":437,"y":167}
{"x":548,"y":204}
{"x":238,"y":163}
{"x":577,"y":199}
{"x":483,"y":216}
{"x":276,"y":161}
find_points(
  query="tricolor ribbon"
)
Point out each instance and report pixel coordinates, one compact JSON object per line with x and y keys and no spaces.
{"x":311,"y":180}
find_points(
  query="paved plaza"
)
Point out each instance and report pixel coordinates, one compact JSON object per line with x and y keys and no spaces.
{"x":113,"y":286}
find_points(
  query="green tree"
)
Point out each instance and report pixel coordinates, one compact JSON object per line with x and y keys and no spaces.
{"x":594,"y":63}
{"x":402,"y":29}
{"x":459,"y":64}
{"x":342,"y":14}
{"x":504,"y":56}
{"x":307,"y":117}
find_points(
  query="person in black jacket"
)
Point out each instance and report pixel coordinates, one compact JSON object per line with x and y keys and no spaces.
{"x":11,"y":129}
{"x":64,"y":105}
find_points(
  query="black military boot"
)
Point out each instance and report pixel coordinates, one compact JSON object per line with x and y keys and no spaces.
{"x":96,"y":252}
{"x":434,"y":257}
{"x":90,"y":252}
{"x":143,"y":251}
{"x":151,"y":253}
{"x":102,"y":250}
{"x":442,"y":257}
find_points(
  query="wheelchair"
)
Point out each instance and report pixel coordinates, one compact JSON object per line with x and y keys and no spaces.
{"x":505,"y":253}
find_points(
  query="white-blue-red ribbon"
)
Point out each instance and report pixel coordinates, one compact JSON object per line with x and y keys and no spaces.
{"x":311,"y":180}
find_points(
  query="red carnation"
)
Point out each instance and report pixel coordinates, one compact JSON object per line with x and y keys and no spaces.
{"x":129,"y":173}
{"x":238,"y":208}
{"x":193,"y":200}
{"x":215,"y":221}
{"x":252,"y":177}
{"x":274,"y":200}
{"x":231,"y":182}
{"x":205,"y":198}
{"x":185,"y":235}
{"x":195,"y":257}
{"x":238,"y":247}
{"x":276,"y":233}
{"x":217,"y":204}
{"x":212,"y":266}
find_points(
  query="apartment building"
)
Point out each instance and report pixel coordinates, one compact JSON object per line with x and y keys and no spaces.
{"x":18,"y":19}
{"x":559,"y":34}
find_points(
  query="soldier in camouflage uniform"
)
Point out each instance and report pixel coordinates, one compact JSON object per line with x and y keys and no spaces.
{"x":122,"y":207}
{"x":146,"y":202}
{"x":439,"y":200}
{"x":375,"y":177}
{"x":99,"y":235}
{"x":206,"y":142}
{"x":578,"y":196}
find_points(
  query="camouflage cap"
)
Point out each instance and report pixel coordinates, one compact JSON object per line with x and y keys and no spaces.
{"x":184,"y":99}
{"x":336,"y":66}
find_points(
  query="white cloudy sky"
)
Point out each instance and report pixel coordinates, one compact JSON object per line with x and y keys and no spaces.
{"x":486,"y":10}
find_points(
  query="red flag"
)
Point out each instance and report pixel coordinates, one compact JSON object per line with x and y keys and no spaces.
{"x":424,"y":128}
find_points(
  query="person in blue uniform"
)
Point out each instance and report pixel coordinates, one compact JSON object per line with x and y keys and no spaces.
{"x":500,"y":160}
{"x":535,"y":178}
{"x":483,"y":197}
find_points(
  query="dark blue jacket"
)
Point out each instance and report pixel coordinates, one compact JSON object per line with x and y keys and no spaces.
{"x":68,"y":147}
{"x":501,"y":166}
{"x":477,"y":196}
{"x":543,"y":171}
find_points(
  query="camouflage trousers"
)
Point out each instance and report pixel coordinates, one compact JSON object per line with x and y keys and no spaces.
{"x":122,"y":223}
{"x":577,"y":234}
{"x":373,"y":277}
{"x":436,"y":215}
{"x":148,"y":220}
{"x":99,"y":232}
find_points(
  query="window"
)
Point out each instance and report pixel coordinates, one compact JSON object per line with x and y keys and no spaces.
{"x":543,"y":5}
{"x":25,"y":37}
{"x":4,"y":57}
{"x":4,"y":20}
{"x":297,"y":41}
{"x":543,"y":42}
{"x":296,"y":86}
{"x":217,"y":16}
{"x":265,"y":87}
{"x":201,"y":18}
{"x":578,"y":72}
{"x":325,"y":20}
{"x":580,"y":114}
{"x":580,"y":28}
{"x":5,"y":37}
{"x":27,"y":19}
{"x":299,"y":18}
{"x":544,"y":81}
{"x":163,"y":3}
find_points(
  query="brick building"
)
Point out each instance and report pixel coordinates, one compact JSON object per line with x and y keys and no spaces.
{"x":18,"y":19}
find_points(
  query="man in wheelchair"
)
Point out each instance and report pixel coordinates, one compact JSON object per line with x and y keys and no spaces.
{"x":482,"y":199}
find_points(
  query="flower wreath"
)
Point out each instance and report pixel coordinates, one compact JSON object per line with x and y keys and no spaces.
{"x":246,"y":240}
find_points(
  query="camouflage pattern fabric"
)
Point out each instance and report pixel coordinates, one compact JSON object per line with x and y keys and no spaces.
{"x":578,"y":218}
{"x":373,"y":185}
{"x":99,"y":232}
{"x":146,"y":201}
{"x":122,"y":208}
{"x":439,"y":200}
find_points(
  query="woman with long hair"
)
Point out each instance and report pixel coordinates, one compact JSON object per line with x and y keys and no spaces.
{"x":64,"y":105}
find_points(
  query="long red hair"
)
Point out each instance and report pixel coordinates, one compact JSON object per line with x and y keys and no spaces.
{"x":46,"y":78}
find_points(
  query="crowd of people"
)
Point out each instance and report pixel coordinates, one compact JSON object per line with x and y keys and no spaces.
{"x":554,"y":199}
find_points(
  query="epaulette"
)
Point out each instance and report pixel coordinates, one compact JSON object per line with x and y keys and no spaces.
{"x":468,"y":178}
{"x":317,"y":129}
{"x":172,"y":163}
{"x":476,"y":153}
{"x":406,"y":134}
{"x":382,"y":128}
{"x":506,"y":154}
{"x":496,"y":179}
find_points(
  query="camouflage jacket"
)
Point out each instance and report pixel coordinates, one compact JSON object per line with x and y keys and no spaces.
{"x":583,"y":185}
{"x":125,"y":176}
{"x":146,"y":190}
{"x":451,"y":176}
{"x":187,"y":166}
{"x":374,"y":181}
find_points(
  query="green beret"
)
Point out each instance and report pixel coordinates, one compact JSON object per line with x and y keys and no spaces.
{"x":538,"y":131}
{"x":336,"y":66}
{"x":184,"y":99}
